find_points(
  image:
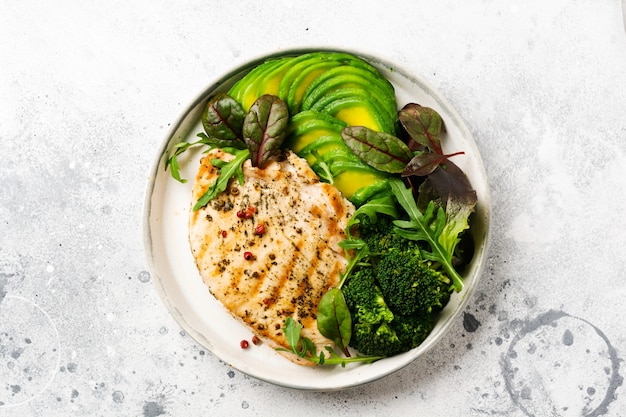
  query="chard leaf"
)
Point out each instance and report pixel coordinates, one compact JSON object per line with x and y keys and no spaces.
{"x":379,"y":150}
{"x":222,"y":120}
{"x":425,"y":163}
{"x":423,"y":125}
{"x":265,"y":127}
{"x":227,"y":171}
{"x":444,"y":185}
{"x":333,"y":319}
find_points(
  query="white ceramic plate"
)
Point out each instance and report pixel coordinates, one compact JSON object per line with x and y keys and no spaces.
{"x":174,"y":273}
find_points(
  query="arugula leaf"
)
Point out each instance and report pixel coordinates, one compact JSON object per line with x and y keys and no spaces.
{"x":227,"y":171}
{"x":380,"y":150}
{"x":384,"y":205}
{"x":430,"y":227}
{"x":265,"y":127}
{"x":171,"y":162}
{"x":450,"y":189}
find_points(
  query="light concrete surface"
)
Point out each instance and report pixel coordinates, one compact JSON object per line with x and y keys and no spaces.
{"x":88,"y":91}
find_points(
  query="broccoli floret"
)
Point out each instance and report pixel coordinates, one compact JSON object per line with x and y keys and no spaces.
{"x":375,"y":339}
{"x":379,"y":236}
{"x":412,"y":330}
{"x":371,"y":334}
{"x":393,"y":297}
{"x":409,"y":284}
{"x":401,"y":335}
{"x":365,"y":299}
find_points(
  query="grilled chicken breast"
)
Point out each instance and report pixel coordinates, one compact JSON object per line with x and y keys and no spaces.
{"x":268,"y":249}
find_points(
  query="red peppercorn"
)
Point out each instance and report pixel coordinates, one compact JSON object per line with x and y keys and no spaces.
{"x":267,"y":301}
{"x":259,"y":229}
{"x":244,"y":344}
{"x":224,"y":233}
{"x":248,"y":256}
{"x":256,"y":340}
{"x":241,"y":214}
{"x":249,"y":212}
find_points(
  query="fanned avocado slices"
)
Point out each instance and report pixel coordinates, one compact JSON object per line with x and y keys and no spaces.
{"x":317,"y":138}
{"x":325,"y":92}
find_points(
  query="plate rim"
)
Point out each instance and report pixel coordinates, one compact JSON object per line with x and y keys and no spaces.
{"x":166,"y":142}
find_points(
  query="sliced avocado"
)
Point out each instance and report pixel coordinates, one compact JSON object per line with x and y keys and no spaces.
{"x":300,"y":76}
{"x":376,"y":189}
{"x":377,"y":87}
{"x":307,"y":126}
{"x":325,"y":92}
{"x":355,"y":107}
{"x":246,"y":90}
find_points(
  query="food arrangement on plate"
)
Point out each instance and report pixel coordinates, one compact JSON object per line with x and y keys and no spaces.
{"x":324,"y":219}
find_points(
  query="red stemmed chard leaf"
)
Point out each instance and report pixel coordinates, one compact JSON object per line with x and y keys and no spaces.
{"x":264,"y":128}
{"x":425,"y":163}
{"x":380,"y":150}
{"x":423,"y":125}
{"x":222,"y":120}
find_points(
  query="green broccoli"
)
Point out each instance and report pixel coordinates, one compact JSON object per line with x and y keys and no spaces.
{"x":402,"y":334}
{"x":371,"y":334}
{"x":376,"y":339}
{"x":365,"y":299}
{"x":379,"y":237}
{"x":409,"y":284}
{"x":412,"y":330}
{"x":393,"y":294}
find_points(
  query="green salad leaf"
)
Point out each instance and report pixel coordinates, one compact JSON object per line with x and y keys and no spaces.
{"x":304,"y":348}
{"x":380,"y":150}
{"x":333,"y":319}
{"x":432,"y":227}
{"x":227,"y":170}
{"x":423,"y":125}
{"x":264,"y":128}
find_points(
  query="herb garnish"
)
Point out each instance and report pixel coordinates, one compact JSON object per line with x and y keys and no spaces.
{"x":304,"y":348}
{"x":257,"y":135}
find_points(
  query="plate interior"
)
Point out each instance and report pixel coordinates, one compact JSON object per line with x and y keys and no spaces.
{"x":167,"y":205}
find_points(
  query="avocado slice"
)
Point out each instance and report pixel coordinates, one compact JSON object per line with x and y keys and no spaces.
{"x":325,"y":92}
{"x":377,"y":87}
{"x":305,"y":127}
{"x":355,"y":107}
{"x":296,"y":81}
{"x":247,"y":89}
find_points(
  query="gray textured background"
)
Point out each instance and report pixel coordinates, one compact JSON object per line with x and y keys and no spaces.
{"x":88,"y":90}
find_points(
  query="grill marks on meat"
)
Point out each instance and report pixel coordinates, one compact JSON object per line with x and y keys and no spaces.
{"x":295,"y":260}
